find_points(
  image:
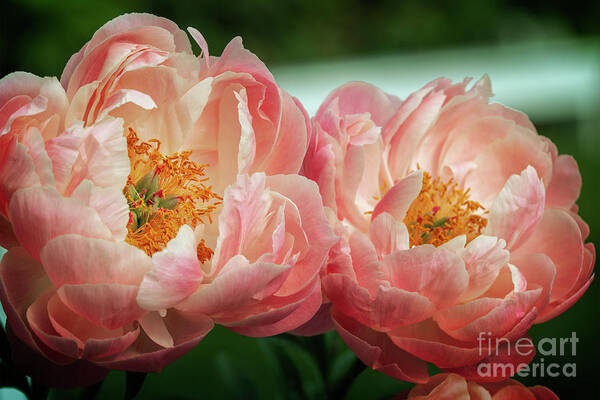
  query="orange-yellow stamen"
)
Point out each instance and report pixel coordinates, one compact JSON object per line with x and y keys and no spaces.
{"x":441,"y":212}
{"x":164,"y":193}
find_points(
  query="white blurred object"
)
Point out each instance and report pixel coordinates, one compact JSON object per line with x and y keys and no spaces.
{"x":550,"y":81}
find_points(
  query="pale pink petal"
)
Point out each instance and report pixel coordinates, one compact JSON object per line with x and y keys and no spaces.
{"x":484,"y":256}
{"x":367,"y":269}
{"x":17,"y":170}
{"x":102,"y":156}
{"x":432,"y":272}
{"x":110,"y":204}
{"x":245,"y":205}
{"x":108,"y":305}
{"x":39,"y":215}
{"x":75,"y":259}
{"x":247,"y":145}
{"x":154,"y":326}
{"x":360,"y":97}
{"x":175,"y":273}
{"x":388,"y":234}
{"x":124,"y":96}
{"x":398,"y":199}
{"x":197,"y":36}
{"x":406,"y":129}
{"x":517,"y":209}
{"x":34,"y":141}
{"x":233,"y":288}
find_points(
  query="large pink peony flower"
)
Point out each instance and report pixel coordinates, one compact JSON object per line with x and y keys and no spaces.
{"x":455,"y":387}
{"x":461,"y":228}
{"x":120,"y":181}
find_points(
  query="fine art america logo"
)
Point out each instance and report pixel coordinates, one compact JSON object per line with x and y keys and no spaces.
{"x":524,"y":347}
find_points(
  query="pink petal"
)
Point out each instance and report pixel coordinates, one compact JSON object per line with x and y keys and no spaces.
{"x":17,"y":170}
{"x":73,"y":375}
{"x":504,"y":158}
{"x":247,"y":145}
{"x":124,"y":96}
{"x":406,"y":129}
{"x":154,"y":326}
{"x":360,"y":97}
{"x":378,"y":352}
{"x":233,"y":288}
{"x":42,"y":326}
{"x":558,"y":236}
{"x":388,"y":234}
{"x":398,"y":199}
{"x":389,"y":308}
{"x":175,"y":273}
{"x":145,"y":355}
{"x":565,"y":186}
{"x":108,"y":305}
{"x":466,"y":321}
{"x":23,"y":280}
{"x":505,"y":356}
{"x":320,"y":323}
{"x":484,"y":256}
{"x":432,"y":272}
{"x":367,"y":268}
{"x":287,"y":153}
{"x":144,"y":29}
{"x":517,"y":209}
{"x":280,"y":314}
{"x":75,"y":259}
{"x":305,"y":195}
{"x":197,"y":36}
{"x":102,"y":157}
{"x":539,"y":272}
{"x":110,"y":204}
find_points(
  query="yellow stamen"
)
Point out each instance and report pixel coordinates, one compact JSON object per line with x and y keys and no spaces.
{"x":181,"y":196}
{"x":441,"y":212}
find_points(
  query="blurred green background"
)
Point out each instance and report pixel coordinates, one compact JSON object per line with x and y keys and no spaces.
{"x":543,"y":58}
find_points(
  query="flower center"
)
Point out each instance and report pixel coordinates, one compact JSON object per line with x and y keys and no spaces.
{"x":164,"y":193}
{"x":441,"y":212}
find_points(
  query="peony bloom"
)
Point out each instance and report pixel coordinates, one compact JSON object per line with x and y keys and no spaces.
{"x":124,"y":241}
{"x":461,"y":228}
{"x":455,"y":387}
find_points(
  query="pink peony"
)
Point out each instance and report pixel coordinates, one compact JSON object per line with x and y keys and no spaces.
{"x":455,"y":387}
{"x":121,"y":180}
{"x":459,"y":221}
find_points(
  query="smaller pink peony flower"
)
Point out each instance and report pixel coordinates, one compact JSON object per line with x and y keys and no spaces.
{"x":455,"y":387}
{"x":458,"y":221}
